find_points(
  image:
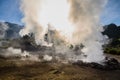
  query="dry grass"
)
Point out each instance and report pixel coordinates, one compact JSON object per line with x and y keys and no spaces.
{"x":11,"y":70}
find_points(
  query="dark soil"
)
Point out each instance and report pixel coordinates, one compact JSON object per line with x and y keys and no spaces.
{"x":27,"y":70}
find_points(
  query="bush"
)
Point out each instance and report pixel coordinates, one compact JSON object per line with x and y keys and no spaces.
{"x":114,"y":51}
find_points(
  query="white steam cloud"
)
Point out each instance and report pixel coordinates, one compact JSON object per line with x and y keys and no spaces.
{"x":84,"y":15}
{"x":3,"y":28}
{"x":77,"y":20}
{"x":47,"y":58}
{"x":12,"y":52}
{"x":31,"y":10}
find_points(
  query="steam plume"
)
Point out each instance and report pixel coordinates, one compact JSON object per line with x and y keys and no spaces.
{"x":84,"y":15}
{"x":31,"y":10}
{"x":12,"y":52}
{"x":78,"y":20}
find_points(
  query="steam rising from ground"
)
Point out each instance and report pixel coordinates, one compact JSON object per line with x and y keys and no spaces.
{"x":3,"y":28}
{"x":31,"y":10}
{"x":77,"y":20}
{"x":15,"y":53}
{"x":12,"y":52}
{"x":85,"y":15}
{"x":47,"y":58}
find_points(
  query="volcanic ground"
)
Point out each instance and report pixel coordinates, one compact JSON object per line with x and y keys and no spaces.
{"x":30,"y":70}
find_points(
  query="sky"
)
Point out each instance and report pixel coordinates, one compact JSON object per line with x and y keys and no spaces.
{"x":111,"y":13}
{"x":10,"y":12}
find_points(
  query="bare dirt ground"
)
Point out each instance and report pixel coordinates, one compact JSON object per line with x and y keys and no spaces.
{"x":27,"y":70}
{"x":114,"y":56}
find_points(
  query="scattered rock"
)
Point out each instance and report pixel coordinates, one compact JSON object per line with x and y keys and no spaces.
{"x":56,"y":71}
{"x":109,"y":64}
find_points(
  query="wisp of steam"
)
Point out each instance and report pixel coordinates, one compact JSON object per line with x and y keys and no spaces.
{"x":76,"y":20}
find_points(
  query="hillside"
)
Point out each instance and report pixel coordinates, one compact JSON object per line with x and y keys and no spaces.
{"x":113,"y":32}
{"x":9,"y":30}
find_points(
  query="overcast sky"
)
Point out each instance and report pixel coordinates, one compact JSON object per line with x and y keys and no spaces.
{"x":10,"y":12}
